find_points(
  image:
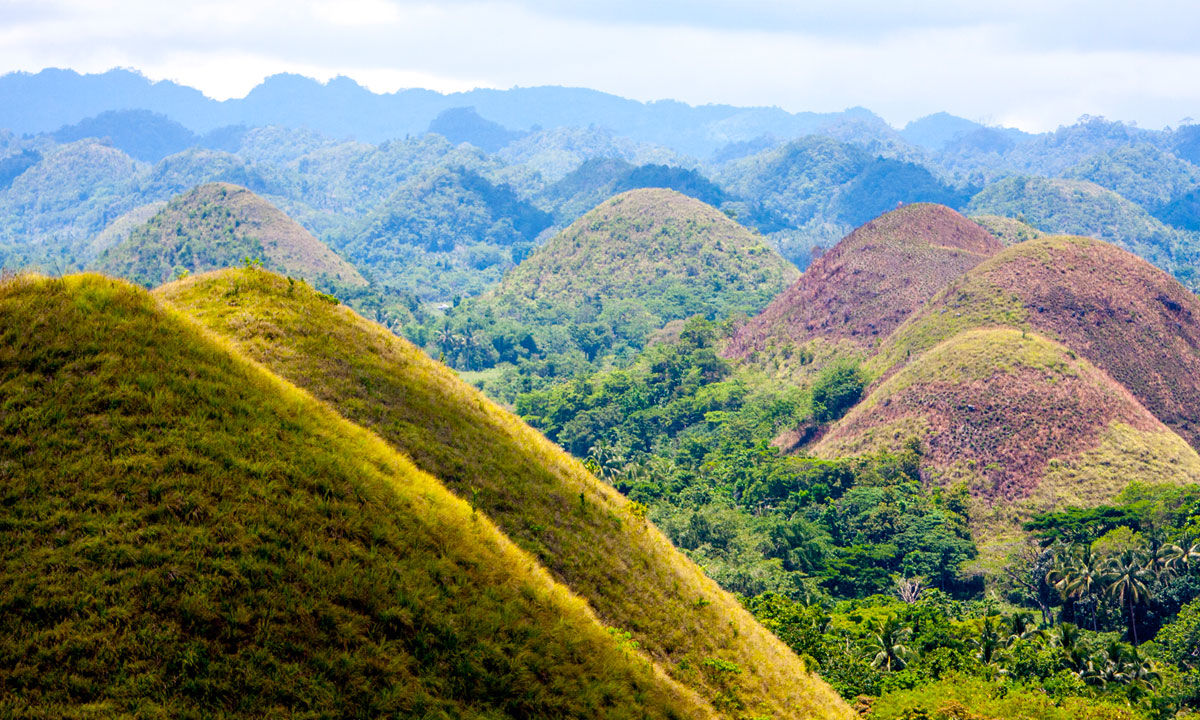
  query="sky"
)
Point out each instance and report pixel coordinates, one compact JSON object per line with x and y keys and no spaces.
{"x":1019,"y":63}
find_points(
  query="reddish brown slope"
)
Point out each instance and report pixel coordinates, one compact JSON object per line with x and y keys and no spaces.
{"x":870,"y":281}
{"x":1124,"y":315}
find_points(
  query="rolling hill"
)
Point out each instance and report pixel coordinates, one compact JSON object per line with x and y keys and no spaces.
{"x":1123,"y":315}
{"x":218,"y":225}
{"x":1024,"y":421}
{"x":634,"y":263}
{"x":854,"y":295}
{"x":185,"y":534}
{"x":589,"y":537}
{"x":1081,"y":207}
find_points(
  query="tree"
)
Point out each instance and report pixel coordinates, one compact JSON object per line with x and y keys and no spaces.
{"x":888,"y":645}
{"x":1129,"y":575}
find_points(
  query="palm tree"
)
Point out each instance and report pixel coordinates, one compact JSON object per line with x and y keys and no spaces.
{"x":1021,"y":627}
{"x":989,"y":643}
{"x":1066,"y":638}
{"x":1129,"y":575}
{"x":1182,"y":555}
{"x":888,"y":645}
{"x":1077,"y":576}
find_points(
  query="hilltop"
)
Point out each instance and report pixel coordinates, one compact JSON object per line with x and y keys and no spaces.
{"x":858,"y":292}
{"x":1022,"y":420}
{"x":218,"y":225}
{"x":1128,"y":318}
{"x":619,"y":273}
{"x":185,"y":534}
{"x":589,"y":537}
{"x":1081,"y":207}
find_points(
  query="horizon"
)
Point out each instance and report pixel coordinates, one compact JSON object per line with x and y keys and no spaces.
{"x":1028,"y":65}
{"x":326,"y":81}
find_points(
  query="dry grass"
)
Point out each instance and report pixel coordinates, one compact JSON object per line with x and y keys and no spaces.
{"x":582,"y":531}
{"x":871,"y":281}
{"x":1023,"y":420}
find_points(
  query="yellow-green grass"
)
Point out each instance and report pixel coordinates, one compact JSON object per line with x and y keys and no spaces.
{"x":1008,"y":231}
{"x":588,"y":536}
{"x":184,"y":534}
{"x":1027,"y":423}
{"x":1130,"y":319}
{"x":216,"y":225}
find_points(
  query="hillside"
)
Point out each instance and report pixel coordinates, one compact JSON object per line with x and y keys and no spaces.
{"x":1123,"y":315}
{"x":1009,"y":231}
{"x":1080,"y":207}
{"x":185,"y":534}
{"x":858,"y":292}
{"x":218,"y":225}
{"x":1025,"y":422}
{"x":588,"y":536}
{"x":636,"y":262}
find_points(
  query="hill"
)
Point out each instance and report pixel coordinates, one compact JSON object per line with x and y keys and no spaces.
{"x":185,"y":534}
{"x":52,"y":209}
{"x":1123,"y":315}
{"x":1080,"y":207}
{"x":141,"y":134}
{"x":1024,"y":421}
{"x":588,"y":536}
{"x":858,"y":292}
{"x":632,"y":264}
{"x":217,"y":225}
{"x":1009,"y":231}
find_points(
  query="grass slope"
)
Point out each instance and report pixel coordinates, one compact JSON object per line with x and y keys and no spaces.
{"x":859,"y":291}
{"x":1119,"y":312}
{"x":216,"y":225}
{"x":184,"y":534}
{"x":587,"y":535}
{"x":1018,"y":417}
{"x":639,"y":260}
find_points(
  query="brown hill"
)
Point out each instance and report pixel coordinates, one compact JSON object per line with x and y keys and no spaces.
{"x":217,"y":225}
{"x":1022,"y":419}
{"x":1122,"y":314}
{"x":859,"y":291}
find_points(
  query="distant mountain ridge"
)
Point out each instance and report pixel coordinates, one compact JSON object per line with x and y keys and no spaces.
{"x":54,"y":98}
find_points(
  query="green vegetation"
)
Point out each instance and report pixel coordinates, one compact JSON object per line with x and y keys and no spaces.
{"x":588,"y":537}
{"x":218,"y":225}
{"x":186,"y":535}
{"x":599,"y":289}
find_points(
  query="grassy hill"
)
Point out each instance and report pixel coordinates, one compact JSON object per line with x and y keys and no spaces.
{"x":1025,"y":422}
{"x":1123,"y":315}
{"x":1009,"y":231}
{"x":619,"y":273}
{"x":1080,"y":207}
{"x":854,"y":295}
{"x":589,"y":537}
{"x":217,"y":225}
{"x":185,"y":534}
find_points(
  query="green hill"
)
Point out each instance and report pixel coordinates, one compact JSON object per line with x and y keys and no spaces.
{"x":184,"y":534}
{"x":854,"y":295}
{"x":218,"y":225}
{"x":589,"y":537}
{"x":1126,"y":317}
{"x":636,"y":262}
{"x":1024,"y":421}
{"x":1080,"y":207}
{"x":1008,"y":231}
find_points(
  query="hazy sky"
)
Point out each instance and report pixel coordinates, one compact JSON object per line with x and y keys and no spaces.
{"x":1032,"y":64}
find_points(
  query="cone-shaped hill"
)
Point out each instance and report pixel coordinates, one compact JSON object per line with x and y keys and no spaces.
{"x":639,"y":260}
{"x":185,"y":534}
{"x":865,"y":286}
{"x":217,"y":225}
{"x":588,"y":536}
{"x":1128,"y":318}
{"x":1024,"y":421}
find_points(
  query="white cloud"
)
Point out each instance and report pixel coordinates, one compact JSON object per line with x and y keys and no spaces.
{"x":799,"y":57}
